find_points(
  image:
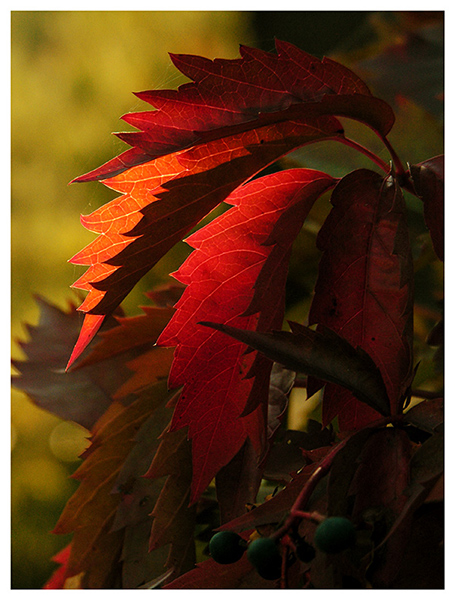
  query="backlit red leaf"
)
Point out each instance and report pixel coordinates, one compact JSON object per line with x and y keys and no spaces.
{"x":241,"y":94}
{"x":58,"y":578}
{"x":204,"y":140}
{"x":238,"y":258}
{"x":162,"y":201}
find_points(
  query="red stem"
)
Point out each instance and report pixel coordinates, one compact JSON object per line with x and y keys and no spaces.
{"x":371,"y":155}
{"x":284,"y":571}
{"x":399,"y":169}
{"x":401,"y":173}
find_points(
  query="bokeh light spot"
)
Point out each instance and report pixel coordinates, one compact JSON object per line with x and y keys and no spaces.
{"x":67,"y":441}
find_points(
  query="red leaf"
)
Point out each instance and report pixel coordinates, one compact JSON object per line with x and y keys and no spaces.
{"x":243,"y":93}
{"x":136,"y":333}
{"x":428,"y":178}
{"x":364,"y":287}
{"x":202,"y":142}
{"x":383,"y":473}
{"x":381,"y":480}
{"x":238,"y":482}
{"x":238,"y":258}
{"x":58,"y":578}
{"x":155,"y":212}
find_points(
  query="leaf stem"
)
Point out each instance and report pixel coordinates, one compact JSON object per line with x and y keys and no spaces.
{"x":368,"y":153}
{"x":400,"y":171}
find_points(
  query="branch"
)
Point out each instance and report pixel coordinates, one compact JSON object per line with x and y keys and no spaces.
{"x":427,"y":394}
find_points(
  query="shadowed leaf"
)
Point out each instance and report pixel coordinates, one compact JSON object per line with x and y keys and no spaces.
{"x":81,"y":396}
{"x":428,"y":178}
{"x":364,"y":290}
{"x":322,"y":354}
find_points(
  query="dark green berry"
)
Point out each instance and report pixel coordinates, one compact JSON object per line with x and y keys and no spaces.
{"x":226,"y":547}
{"x":304,"y":551}
{"x":334,"y":535}
{"x":265,"y":556}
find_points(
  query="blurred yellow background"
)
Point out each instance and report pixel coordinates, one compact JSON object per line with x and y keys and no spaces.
{"x":73,"y":74}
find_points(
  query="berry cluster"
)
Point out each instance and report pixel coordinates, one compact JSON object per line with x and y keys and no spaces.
{"x":332,"y":535}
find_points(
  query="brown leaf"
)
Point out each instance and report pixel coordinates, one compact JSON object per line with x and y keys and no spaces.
{"x":81,"y":396}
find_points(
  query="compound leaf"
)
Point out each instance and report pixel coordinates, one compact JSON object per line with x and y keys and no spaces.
{"x":203,"y":141}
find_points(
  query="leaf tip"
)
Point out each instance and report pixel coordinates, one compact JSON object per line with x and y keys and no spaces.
{"x":89,"y":329}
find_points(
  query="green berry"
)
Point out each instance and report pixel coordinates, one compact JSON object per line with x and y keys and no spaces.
{"x":334,"y":535}
{"x":265,"y":556}
{"x":226,"y":547}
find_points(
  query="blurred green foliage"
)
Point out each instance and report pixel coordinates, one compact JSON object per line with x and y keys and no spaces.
{"x":73,"y":74}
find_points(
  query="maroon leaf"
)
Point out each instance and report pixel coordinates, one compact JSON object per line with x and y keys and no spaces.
{"x":428,"y":178}
{"x":380,"y":487}
{"x":211,"y":575}
{"x":427,"y":415}
{"x":364,"y":287}
{"x":277,"y":507}
{"x":237,"y":483}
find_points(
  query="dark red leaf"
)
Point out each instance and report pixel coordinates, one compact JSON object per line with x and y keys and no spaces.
{"x":238,"y":482}
{"x":273,"y":510}
{"x":109,"y":479}
{"x":211,"y":575}
{"x":242,"y":94}
{"x":379,"y":487}
{"x":364,"y":288}
{"x":428,"y":178}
